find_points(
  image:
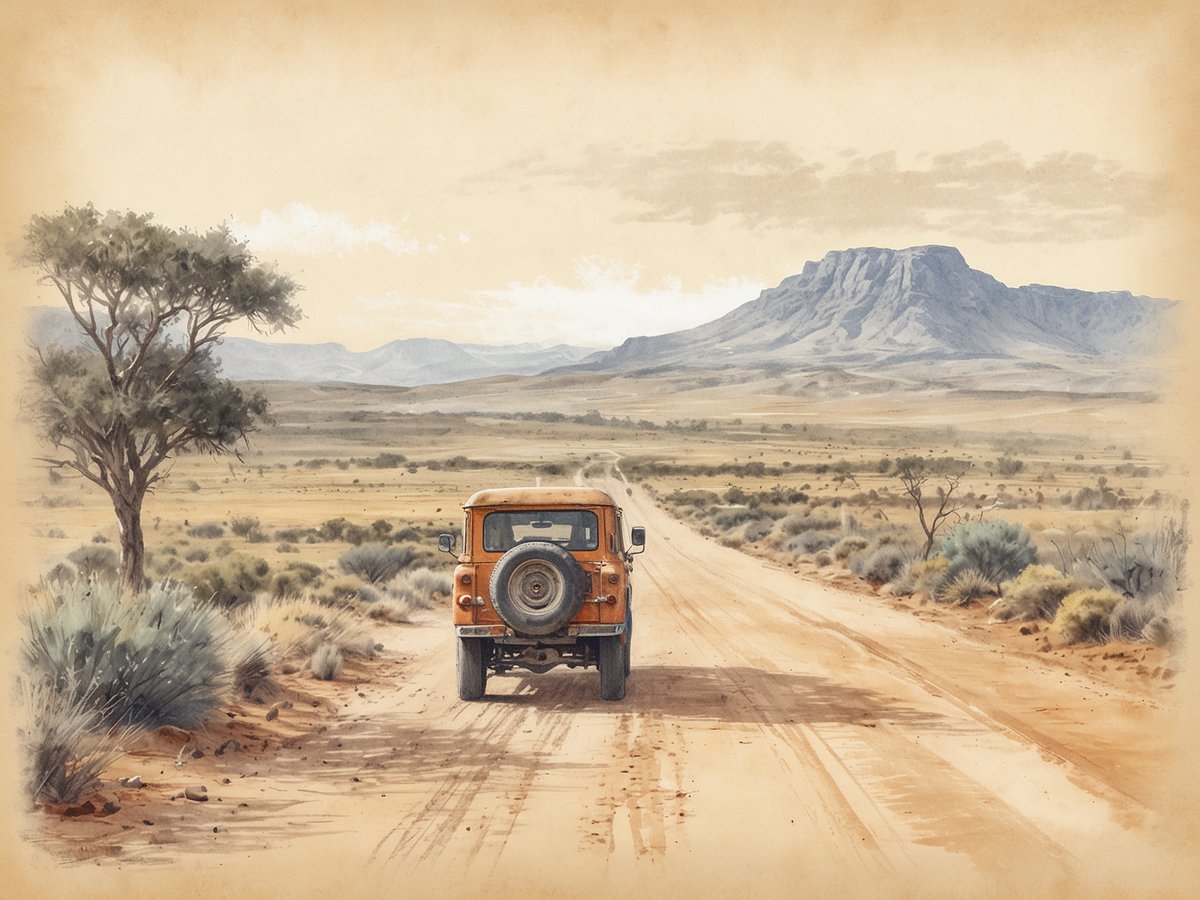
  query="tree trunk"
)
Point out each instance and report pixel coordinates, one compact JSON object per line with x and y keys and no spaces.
{"x":133,"y":544}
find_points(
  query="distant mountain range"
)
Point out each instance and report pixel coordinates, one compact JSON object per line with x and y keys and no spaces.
{"x":872,"y":308}
{"x":920,"y":314}
{"x":404,"y":362}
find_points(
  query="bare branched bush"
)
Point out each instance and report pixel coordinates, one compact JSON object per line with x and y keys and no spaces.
{"x":375,"y":563}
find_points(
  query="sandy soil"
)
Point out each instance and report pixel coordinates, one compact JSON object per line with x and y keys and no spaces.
{"x":780,"y":736}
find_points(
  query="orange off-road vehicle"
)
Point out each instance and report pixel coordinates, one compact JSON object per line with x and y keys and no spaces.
{"x":543,"y":580}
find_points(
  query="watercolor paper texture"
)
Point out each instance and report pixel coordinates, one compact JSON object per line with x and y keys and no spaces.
{"x":968,"y":230}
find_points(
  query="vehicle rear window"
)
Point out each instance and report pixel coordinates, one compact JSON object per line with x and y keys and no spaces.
{"x":574,"y":529}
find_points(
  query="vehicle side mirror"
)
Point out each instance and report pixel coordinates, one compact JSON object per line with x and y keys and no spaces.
{"x":637,"y":537}
{"x":446,"y":543}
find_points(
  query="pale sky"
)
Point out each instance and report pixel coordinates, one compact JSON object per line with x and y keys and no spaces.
{"x":499,"y":173}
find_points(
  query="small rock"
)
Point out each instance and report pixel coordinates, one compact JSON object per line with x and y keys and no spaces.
{"x":1168,"y":673}
{"x":224,"y":781}
{"x":231,"y":744}
{"x":110,"y":807}
{"x":289,"y":668}
{"x":286,"y":704}
{"x":134,"y":782}
{"x":1025,"y":629}
{"x":272,"y":713}
{"x":198,"y":793}
{"x":197,"y":753}
{"x":84,"y":809}
{"x":147,"y":821}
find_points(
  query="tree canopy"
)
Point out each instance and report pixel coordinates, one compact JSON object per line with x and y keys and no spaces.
{"x":150,"y":303}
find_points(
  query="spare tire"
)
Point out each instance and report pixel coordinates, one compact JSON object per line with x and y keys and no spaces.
{"x":537,"y":587}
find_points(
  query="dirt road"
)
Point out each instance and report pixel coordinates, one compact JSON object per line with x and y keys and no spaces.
{"x":779,"y":737}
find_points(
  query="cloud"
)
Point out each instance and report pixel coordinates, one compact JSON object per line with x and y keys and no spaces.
{"x":301,"y":229}
{"x":990,"y":192}
{"x":605,"y":303}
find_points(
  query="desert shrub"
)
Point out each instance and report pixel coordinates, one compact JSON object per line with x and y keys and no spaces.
{"x":1130,"y":618}
{"x":810,"y":541}
{"x":159,"y":661}
{"x":163,"y":563}
{"x":299,"y":625}
{"x":210,"y":530}
{"x":63,"y":744}
{"x":850,"y":544}
{"x":757,"y":529}
{"x":344,"y":591}
{"x":731,"y":517}
{"x":965,"y":588}
{"x":95,"y":561}
{"x":1164,"y":631}
{"x":1149,"y":566}
{"x":257,"y":536}
{"x":1084,"y":616}
{"x":242,"y":526}
{"x":417,"y":589}
{"x":807,"y":521}
{"x":881,"y":564}
{"x":231,"y":581}
{"x":326,"y":662}
{"x":285,"y":547}
{"x":294,"y":535}
{"x":823,"y":558}
{"x":375,"y":563}
{"x":196,"y":555}
{"x":386,"y":610}
{"x":294,"y":578}
{"x":997,"y":550}
{"x":923,"y":576}
{"x":357,"y":534}
{"x":252,"y":656}
{"x":1034,"y":594}
{"x":332,"y":529}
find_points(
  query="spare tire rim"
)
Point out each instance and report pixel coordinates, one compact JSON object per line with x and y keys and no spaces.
{"x":536,"y":586}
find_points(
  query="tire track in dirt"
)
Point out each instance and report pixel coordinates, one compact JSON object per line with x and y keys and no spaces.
{"x":913,"y":776}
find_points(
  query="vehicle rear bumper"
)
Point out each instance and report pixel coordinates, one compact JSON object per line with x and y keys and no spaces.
{"x":570,"y":631}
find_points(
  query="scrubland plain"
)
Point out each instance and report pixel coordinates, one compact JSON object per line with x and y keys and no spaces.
{"x":887,"y":721}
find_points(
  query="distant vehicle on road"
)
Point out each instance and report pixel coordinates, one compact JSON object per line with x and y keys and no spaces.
{"x":543,"y":579}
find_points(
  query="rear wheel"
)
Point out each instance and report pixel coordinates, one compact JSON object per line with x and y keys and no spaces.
{"x":612,"y":668}
{"x":628,"y":647}
{"x":472,"y":673}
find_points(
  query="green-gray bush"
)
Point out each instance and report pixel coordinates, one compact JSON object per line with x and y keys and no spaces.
{"x":1165,"y":631}
{"x":160,"y":661}
{"x":810,"y":541}
{"x":880,"y":564}
{"x":850,"y":544}
{"x":209,"y":530}
{"x":95,"y":561}
{"x":998,"y":550}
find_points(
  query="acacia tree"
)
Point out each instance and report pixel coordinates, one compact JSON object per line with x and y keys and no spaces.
{"x":141,"y":383}
{"x":916,"y":474}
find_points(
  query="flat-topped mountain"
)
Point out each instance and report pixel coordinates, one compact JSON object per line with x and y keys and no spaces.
{"x":872,"y":307}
